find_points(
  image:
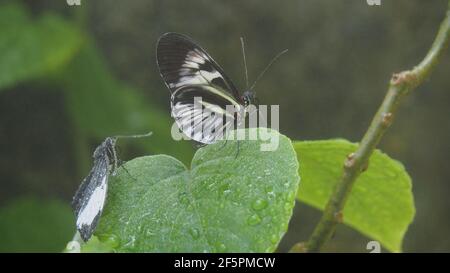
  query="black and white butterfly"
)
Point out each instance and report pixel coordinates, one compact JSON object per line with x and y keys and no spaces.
{"x":89,"y":200}
{"x":90,"y":197}
{"x":189,"y":72}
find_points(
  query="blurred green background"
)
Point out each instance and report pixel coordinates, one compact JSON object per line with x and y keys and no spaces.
{"x":72,"y":75}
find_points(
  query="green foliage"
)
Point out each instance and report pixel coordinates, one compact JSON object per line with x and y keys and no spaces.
{"x":381,"y":203}
{"x":98,"y":104}
{"x":96,"y":246}
{"x":222,"y":204}
{"x":33,"y":48}
{"x":32,"y":225}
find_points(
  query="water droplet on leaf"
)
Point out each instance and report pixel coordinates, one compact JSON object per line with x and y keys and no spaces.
{"x":259,"y":204}
{"x":221,"y":248}
{"x":110,"y":239}
{"x":224,"y":189}
{"x":274,"y":238}
{"x":253,"y":220}
{"x":183,"y":198}
{"x":194,"y":233}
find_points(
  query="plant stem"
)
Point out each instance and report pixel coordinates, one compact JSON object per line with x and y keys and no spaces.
{"x":401,"y":84}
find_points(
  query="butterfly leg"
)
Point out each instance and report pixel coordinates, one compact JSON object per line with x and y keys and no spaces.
{"x":237,"y":153}
{"x":198,"y":145}
{"x":119,"y":163}
{"x":122,"y":165}
{"x":223,"y":145}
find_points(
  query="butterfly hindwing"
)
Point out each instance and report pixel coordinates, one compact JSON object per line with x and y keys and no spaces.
{"x":207,"y":118}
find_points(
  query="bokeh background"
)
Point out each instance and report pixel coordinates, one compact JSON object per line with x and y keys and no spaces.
{"x":72,"y":75}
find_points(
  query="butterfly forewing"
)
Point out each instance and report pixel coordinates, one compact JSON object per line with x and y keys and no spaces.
{"x":90,"y":197}
{"x":182,"y":62}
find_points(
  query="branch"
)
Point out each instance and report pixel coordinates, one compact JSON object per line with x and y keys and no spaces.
{"x":401,"y":84}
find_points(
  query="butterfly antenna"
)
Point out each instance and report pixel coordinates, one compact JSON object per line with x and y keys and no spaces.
{"x":134,"y":136}
{"x":267,"y":67}
{"x":245,"y":62}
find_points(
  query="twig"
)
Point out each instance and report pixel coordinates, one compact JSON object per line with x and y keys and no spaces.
{"x":401,"y":84}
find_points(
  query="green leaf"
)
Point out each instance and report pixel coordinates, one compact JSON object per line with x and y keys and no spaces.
{"x":94,"y":245}
{"x":381,"y":204}
{"x":32,"y":48}
{"x":32,"y":225}
{"x":101,"y":106}
{"x":222,"y":204}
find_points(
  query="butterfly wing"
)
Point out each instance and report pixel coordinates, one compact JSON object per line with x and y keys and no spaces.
{"x":90,"y":198}
{"x":190,"y":72}
{"x":202,"y":114}
{"x":183,"y":62}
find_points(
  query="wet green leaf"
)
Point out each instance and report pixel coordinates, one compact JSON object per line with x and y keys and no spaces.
{"x":381,"y":204}
{"x":221,"y":204}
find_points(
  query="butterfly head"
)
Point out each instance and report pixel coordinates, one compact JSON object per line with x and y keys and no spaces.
{"x":248,"y":97}
{"x":107,"y":148}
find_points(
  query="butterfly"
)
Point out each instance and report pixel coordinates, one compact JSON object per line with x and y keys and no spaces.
{"x":190,"y":72}
{"x":90,"y":197}
{"x":89,"y":200}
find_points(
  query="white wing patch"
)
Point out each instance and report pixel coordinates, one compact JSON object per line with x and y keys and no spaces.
{"x":204,"y":125}
{"x":189,"y":80}
{"x":209,"y":76}
{"x":94,"y":206}
{"x":190,"y":72}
